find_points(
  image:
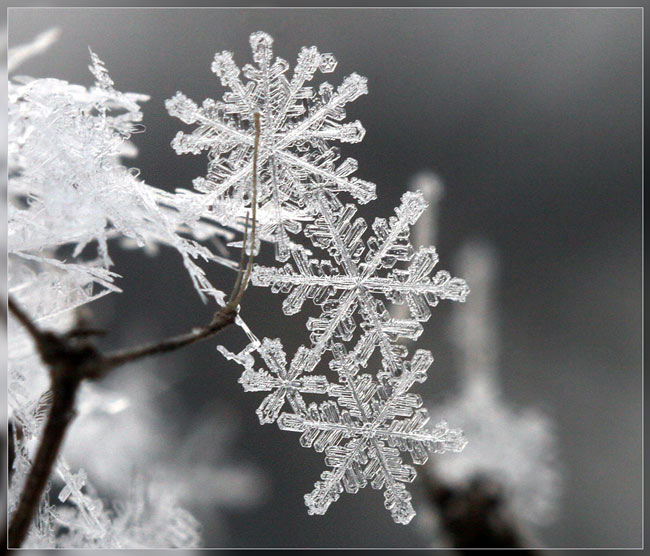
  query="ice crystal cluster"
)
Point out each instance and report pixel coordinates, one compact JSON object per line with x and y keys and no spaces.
{"x":69,"y":193}
{"x":515,"y":447}
{"x":68,"y":187}
{"x":359,"y":412}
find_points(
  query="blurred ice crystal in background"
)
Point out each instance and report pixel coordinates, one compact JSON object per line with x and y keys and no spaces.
{"x":515,"y":448}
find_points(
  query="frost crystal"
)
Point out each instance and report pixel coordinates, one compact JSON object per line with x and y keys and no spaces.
{"x":295,"y":156}
{"x":364,"y":430}
{"x":68,"y":186}
{"x":287,"y":384}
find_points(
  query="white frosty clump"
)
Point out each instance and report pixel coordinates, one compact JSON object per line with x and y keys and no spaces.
{"x":69,"y":194}
{"x":68,"y":186}
{"x":514,"y":447}
{"x":126,"y":427}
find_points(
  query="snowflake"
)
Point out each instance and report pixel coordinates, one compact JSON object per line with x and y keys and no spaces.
{"x":362,"y":441}
{"x":294,"y":154}
{"x":285,"y":385}
{"x":349,"y":285}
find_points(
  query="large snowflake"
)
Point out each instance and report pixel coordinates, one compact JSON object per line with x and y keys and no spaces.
{"x":350,"y":285}
{"x":295,"y":156}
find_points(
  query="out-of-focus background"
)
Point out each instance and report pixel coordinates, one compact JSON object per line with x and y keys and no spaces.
{"x":531,"y":119}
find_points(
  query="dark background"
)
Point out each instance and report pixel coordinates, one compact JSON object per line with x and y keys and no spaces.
{"x":531,"y":117}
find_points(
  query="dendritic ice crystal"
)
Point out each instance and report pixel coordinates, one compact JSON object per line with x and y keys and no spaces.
{"x":366,"y":420}
{"x":295,"y":157}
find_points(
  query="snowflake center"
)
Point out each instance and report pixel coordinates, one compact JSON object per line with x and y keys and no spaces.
{"x":368,"y":431}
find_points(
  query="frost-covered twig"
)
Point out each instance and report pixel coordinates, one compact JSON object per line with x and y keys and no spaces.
{"x":69,"y":363}
{"x":72,"y":359}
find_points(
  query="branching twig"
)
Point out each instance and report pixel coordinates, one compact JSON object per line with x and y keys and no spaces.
{"x":71,"y":359}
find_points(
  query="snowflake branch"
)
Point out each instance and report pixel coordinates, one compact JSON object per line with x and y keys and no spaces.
{"x":71,"y":359}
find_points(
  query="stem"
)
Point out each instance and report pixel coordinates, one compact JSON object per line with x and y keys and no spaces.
{"x":222,"y":319}
{"x":22,"y":317}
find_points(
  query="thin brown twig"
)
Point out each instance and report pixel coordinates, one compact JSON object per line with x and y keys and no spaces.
{"x":223,"y":317}
{"x":242,"y":257}
{"x":68,"y":361}
{"x":254,"y":202}
{"x":72,"y":359}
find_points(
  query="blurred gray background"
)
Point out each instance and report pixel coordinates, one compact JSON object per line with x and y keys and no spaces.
{"x":532,"y":118}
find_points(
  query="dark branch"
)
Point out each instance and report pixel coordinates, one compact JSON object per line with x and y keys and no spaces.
{"x":222,"y":319}
{"x":24,"y":319}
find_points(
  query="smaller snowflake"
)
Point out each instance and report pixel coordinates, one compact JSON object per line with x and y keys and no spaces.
{"x":284,"y":384}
